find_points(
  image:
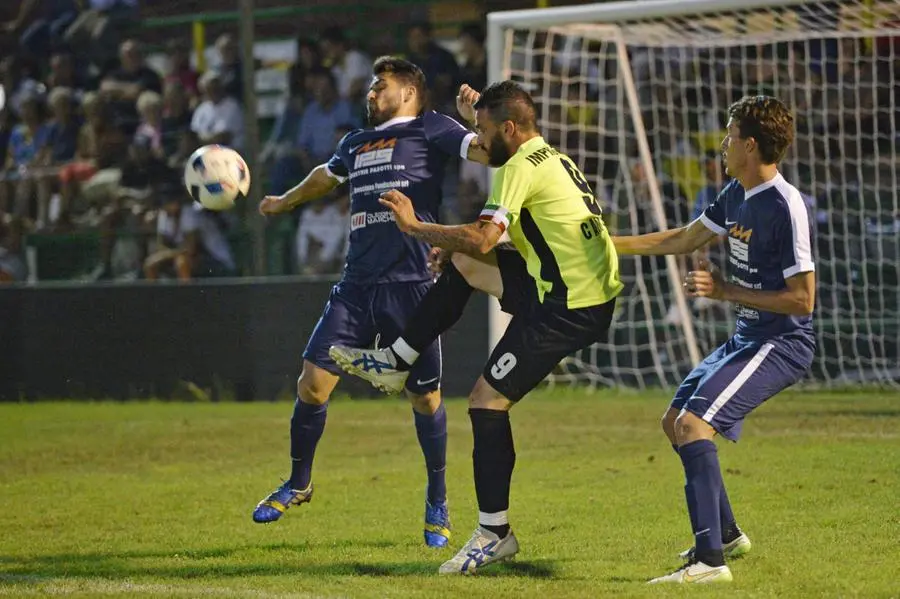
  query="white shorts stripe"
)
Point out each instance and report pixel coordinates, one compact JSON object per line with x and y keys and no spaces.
{"x":738,"y":381}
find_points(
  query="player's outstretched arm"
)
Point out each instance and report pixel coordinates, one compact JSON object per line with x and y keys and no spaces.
{"x":683,"y":240}
{"x":465,"y":106}
{"x":797,"y":299}
{"x":473,"y":238}
{"x":318,"y":183}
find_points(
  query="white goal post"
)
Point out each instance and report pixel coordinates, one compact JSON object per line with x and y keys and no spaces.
{"x":636,"y":93}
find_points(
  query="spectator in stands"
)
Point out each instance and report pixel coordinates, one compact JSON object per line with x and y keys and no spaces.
{"x":60,"y":146}
{"x":439,"y":66}
{"x":122,"y":86}
{"x":25,"y":143}
{"x":12,"y":267}
{"x":219,"y":119}
{"x":64,"y":74}
{"x":6,"y":126}
{"x":190,"y":243}
{"x":150,"y":110}
{"x":474,"y":68}
{"x":229,"y":67}
{"x":323,"y":115}
{"x":351,"y":68}
{"x":176,"y":123}
{"x":714,"y":183}
{"x":322,"y":235}
{"x":95,"y":173}
{"x":17,"y":84}
{"x":180,"y":70}
{"x":97,"y":30}
{"x":43,"y":24}
{"x":281,"y":151}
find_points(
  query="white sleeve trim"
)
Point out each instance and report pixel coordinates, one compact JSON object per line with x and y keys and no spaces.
{"x":802,"y":266}
{"x":714,"y":227}
{"x":466,"y":142}
{"x":339,"y":178}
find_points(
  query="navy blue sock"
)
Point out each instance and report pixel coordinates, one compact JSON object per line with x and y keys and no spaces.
{"x":432,"y":433}
{"x":704,"y":486}
{"x":307,"y":425}
{"x":730,"y":529}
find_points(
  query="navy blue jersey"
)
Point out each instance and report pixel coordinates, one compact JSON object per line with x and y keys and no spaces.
{"x":408,"y":154}
{"x":769,"y":240}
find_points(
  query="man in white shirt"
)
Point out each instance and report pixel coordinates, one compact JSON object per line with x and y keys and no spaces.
{"x":219,"y":118}
{"x":351,"y":68}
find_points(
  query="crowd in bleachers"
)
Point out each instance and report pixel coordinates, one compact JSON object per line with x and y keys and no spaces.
{"x":95,"y":142}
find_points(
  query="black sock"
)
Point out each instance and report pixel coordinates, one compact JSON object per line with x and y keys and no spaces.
{"x":493,"y":459}
{"x":439,"y":310}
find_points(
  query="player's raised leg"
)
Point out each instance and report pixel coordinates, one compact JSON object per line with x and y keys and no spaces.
{"x":388,"y":368}
{"x":314,"y":387}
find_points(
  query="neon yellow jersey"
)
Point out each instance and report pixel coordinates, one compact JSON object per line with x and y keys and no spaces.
{"x":555,"y":223}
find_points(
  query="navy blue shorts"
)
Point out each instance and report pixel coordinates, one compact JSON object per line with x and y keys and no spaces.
{"x":355,"y":314}
{"x":739,"y":376}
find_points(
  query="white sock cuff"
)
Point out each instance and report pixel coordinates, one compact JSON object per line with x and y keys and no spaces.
{"x":403,"y":351}
{"x":495,"y":519}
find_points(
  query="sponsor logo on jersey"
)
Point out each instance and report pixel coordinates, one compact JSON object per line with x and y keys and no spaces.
{"x":360,"y":220}
{"x":739,"y":242}
{"x":375,"y":152}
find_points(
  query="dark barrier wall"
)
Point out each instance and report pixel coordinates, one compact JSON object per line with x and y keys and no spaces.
{"x":245,"y":337}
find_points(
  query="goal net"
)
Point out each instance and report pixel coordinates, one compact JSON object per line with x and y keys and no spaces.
{"x":637,"y":93}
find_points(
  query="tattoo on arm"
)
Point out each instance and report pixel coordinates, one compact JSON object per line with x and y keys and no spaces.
{"x":468,"y":238}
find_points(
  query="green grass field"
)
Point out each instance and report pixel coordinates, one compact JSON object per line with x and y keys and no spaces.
{"x":154,"y":499}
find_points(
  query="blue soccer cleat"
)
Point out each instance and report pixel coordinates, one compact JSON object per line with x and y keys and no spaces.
{"x":437,"y":524}
{"x":272,"y":507}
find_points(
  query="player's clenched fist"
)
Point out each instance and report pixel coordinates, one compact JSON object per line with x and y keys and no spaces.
{"x":437,"y":259}
{"x":402,"y":208}
{"x":273,"y":205}
{"x":706,"y":281}
{"x":465,"y":102}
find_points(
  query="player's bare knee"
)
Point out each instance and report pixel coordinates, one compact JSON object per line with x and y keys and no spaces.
{"x":689,"y":427}
{"x":485,"y":397}
{"x":668,"y":424}
{"x":315,"y":385}
{"x":426,"y":403}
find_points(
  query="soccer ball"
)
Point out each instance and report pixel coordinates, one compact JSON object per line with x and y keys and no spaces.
{"x":215,"y":175}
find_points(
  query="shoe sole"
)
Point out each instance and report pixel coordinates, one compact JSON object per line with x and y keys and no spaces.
{"x":349,"y":368}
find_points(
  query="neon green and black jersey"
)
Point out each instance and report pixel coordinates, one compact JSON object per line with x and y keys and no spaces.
{"x":555,"y":222}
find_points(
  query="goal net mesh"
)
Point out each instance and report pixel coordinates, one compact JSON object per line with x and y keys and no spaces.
{"x":835,"y":64}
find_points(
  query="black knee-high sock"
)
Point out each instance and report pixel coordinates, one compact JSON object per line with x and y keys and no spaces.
{"x":493,"y":458}
{"x":439,"y":310}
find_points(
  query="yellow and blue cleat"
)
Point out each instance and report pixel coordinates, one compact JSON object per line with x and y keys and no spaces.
{"x":272,"y":507}
{"x":437,"y":524}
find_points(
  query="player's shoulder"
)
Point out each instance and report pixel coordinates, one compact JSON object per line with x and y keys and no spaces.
{"x":432,"y":120}
{"x":351,"y":137}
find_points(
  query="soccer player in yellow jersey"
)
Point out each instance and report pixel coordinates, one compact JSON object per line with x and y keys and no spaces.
{"x":559,"y":283}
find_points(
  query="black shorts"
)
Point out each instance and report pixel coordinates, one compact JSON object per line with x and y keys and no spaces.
{"x":540,"y":335}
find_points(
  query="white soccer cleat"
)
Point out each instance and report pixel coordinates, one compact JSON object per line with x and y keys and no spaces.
{"x":377,"y":366}
{"x":696,"y":573}
{"x":736,"y":548}
{"x":482,"y":549}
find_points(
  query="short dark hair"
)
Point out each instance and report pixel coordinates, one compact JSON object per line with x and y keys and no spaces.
{"x":425,"y":26}
{"x":402,"y":69}
{"x":335,"y":35}
{"x":474,"y":31}
{"x":508,"y":101}
{"x":768,"y":121}
{"x":320,"y":71}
